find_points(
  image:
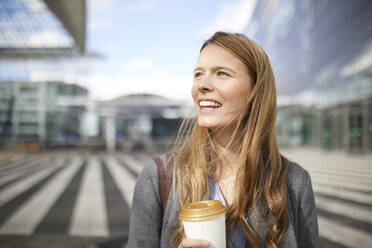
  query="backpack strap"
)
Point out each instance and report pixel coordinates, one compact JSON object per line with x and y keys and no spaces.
{"x":165,"y":179}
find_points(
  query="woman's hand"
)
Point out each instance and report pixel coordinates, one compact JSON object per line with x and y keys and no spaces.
{"x":194,"y":243}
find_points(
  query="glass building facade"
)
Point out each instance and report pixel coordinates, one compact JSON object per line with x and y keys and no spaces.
{"x":320,"y":53}
{"x":39,"y":112}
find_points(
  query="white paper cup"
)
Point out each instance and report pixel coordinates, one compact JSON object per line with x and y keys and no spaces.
{"x":205,"y":220}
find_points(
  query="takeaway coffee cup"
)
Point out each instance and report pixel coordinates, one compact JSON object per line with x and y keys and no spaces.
{"x":205,"y":220}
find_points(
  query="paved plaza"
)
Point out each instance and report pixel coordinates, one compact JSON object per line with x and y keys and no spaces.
{"x":78,"y":199}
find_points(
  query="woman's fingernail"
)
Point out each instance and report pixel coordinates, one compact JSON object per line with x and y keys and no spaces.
{"x":205,"y":243}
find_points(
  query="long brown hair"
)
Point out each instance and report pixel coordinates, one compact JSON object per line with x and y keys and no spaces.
{"x":260,"y":182}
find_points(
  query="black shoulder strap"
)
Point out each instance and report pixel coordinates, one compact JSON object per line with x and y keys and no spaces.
{"x":165,"y":179}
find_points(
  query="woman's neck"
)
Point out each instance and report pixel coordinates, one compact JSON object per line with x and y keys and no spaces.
{"x":227,"y":155}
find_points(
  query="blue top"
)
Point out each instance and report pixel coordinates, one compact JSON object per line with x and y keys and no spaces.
{"x":238,"y":238}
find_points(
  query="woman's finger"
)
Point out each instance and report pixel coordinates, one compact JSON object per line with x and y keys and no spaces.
{"x":195,"y":243}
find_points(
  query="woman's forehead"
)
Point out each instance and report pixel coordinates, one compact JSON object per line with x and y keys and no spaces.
{"x":215,"y":56}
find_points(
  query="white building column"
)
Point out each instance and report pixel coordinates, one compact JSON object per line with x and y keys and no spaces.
{"x":110,"y":133}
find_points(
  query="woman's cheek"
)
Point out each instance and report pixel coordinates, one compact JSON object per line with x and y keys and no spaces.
{"x":194,"y":93}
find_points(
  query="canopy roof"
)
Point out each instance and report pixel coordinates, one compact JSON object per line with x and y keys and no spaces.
{"x":33,"y":28}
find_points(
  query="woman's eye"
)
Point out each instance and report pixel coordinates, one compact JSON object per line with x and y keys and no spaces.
{"x":223,"y":74}
{"x":198,"y":74}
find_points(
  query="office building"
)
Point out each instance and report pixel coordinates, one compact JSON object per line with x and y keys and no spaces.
{"x":45,"y":112}
{"x":321,"y":55}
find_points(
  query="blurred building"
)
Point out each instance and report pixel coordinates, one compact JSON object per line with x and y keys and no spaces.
{"x":140,"y":121}
{"x":45,"y":112}
{"x":40,"y":44}
{"x":321,"y":53}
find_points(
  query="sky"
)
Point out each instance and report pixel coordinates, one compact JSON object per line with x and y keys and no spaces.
{"x":152,"y":46}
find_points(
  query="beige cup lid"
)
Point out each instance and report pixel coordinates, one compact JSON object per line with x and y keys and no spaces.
{"x":202,"y":210}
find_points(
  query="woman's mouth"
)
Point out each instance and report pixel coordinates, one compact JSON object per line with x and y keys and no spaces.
{"x":209,"y":104}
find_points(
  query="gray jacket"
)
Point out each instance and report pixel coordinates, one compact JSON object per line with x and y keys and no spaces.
{"x":146,"y":228}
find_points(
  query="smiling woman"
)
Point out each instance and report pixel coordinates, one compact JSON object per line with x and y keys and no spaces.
{"x":221,"y":88}
{"x":229,"y":153}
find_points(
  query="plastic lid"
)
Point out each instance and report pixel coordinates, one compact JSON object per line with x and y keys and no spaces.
{"x":203,"y":210}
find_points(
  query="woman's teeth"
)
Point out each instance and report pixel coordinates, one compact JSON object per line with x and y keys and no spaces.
{"x":209,"y":104}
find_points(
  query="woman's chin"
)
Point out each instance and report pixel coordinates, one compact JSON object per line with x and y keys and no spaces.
{"x":206,"y":124}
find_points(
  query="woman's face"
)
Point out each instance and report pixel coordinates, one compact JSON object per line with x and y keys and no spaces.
{"x":222,"y":85}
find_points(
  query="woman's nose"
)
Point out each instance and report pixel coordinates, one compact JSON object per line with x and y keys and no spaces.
{"x":205,"y":85}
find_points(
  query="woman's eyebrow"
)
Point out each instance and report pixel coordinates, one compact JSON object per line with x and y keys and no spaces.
{"x":215,"y":68}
